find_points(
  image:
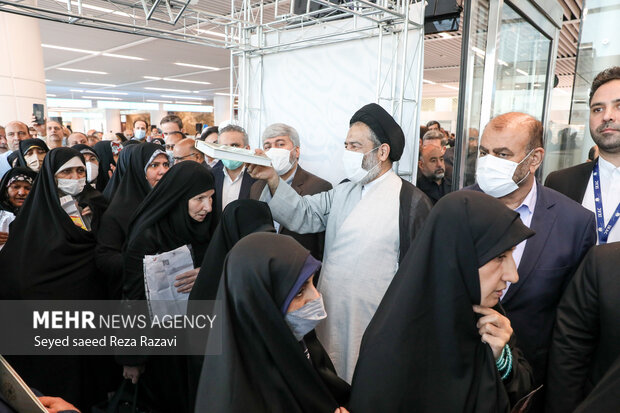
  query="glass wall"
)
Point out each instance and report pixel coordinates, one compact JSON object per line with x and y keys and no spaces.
{"x":598,"y":49}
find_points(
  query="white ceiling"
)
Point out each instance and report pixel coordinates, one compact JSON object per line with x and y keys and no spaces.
{"x":128,"y":75}
{"x":441,"y":60}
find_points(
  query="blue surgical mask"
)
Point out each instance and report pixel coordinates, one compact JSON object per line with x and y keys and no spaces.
{"x":231,"y":165}
{"x":305,"y":319}
{"x":139,"y":134}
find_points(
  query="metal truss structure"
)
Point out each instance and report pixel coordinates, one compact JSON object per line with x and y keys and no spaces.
{"x":247,"y":28}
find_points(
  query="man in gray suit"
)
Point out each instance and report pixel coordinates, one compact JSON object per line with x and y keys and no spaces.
{"x":281,"y":143}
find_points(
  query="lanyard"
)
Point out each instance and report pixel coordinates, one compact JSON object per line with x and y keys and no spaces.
{"x":602,"y":229}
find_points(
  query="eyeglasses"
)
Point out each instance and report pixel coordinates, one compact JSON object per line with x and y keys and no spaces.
{"x":180,"y":158}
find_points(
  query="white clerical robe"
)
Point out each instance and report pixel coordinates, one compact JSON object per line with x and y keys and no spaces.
{"x":360,"y":259}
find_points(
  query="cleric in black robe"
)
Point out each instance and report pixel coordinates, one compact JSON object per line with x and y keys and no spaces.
{"x":240,"y":218}
{"x":263,"y":367}
{"x":162,"y":223}
{"x":131,"y":191}
{"x":422,"y":351}
{"x":32,"y":161}
{"x":48,"y":257}
{"x":103,"y":149}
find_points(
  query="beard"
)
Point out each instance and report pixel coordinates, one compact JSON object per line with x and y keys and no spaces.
{"x":370,"y":163}
{"x":438,"y":174}
{"x":608,"y":142}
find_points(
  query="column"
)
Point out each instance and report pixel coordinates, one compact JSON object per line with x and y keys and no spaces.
{"x":158,"y":115}
{"x":221,"y":109}
{"x":112,"y":121}
{"x":22,"y":76}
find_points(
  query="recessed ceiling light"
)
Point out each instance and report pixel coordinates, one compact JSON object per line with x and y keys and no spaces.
{"x":169,"y":79}
{"x":182,"y":97}
{"x":76,"y":90}
{"x":105,"y":92}
{"x":50,"y":95}
{"x":197,"y":66}
{"x":69,"y":49}
{"x":186,"y":103}
{"x":122,"y":56}
{"x":96,"y":72}
{"x":159,"y":101}
{"x":48,"y":80}
{"x":168,"y":90}
{"x":97,"y":84}
{"x":225,"y":94}
{"x":445,"y":35}
{"x":523,"y":72}
{"x":100,"y":97}
{"x":430,"y":82}
{"x":152,"y":77}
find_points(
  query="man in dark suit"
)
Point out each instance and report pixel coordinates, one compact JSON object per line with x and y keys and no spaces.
{"x":232,"y":181}
{"x":578,"y":182}
{"x":586,"y":339}
{"x":511,"y":150}
{"x":281,"y":143}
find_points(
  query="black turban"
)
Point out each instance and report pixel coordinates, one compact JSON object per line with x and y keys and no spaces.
{"x":384,"y":126}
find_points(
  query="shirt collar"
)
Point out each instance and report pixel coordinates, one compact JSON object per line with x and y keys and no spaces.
{"x":529,"y":203}
{"x":238,"y":176}
{"x":289,"y":181}
{"x":376,"y":180}
{"x":606,"y":167}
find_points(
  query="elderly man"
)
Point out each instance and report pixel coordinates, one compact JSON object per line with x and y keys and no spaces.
{"x":185,"y":150}
{"x":3,"y":144}
{"x":281,"y":144}
{"x":432,"y":177}
{"x":15,"y":131}
{"x":77,"y":138}
{"x":232,"y":181}
{"x":596,"y":185}
{"x":511,"y":150}
{"x":55,"y":134}
{"x":369,"y":223}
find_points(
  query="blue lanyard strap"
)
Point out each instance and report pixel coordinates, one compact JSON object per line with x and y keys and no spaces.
{"x":602,"y":229}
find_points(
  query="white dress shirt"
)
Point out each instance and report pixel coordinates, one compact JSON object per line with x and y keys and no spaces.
{"x":526,"y":211}
{"x":370,"y":184}
{"x":610,"y":192}
{"x":230,"y":188}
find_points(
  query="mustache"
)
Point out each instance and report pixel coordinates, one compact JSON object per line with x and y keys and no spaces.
{"x":608,"y":125}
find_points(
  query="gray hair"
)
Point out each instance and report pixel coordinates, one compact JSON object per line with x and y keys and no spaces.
{"x":281,"y":129}
{"x":433,"y":135}
{"x":235,"y":128}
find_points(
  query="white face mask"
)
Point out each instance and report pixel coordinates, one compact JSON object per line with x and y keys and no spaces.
{"x":170,"y":157}
{"x":305,"y":319}
{"x":494,"y":175}
{"x":71,"y":186}
{"x":353,"y":165}
{"x":92,"y":171}
{"x":280,"y":160}
{"x":33,"y":162}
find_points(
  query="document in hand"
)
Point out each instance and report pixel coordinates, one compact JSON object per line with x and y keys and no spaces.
{"x":218,"y":151}
{"x":16,"y":392}
{"x":160,"y":272}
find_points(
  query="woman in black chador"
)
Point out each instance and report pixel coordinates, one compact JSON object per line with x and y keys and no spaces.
{"x":270,"y":361}
{"x":176,"y":213}
{"x":439,"y":341}
{"x":50,"y":256}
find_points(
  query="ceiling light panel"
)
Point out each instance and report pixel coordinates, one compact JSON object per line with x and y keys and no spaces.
{"x":196,"y":66}
{"x":101,"y":97}
{"x":68,"y":69}
{"x":152,"y":77}
{"x":105,"y":92}
{"x":169,"y":79}
{"x":122,"y":56}
{"x":68,"y":49}
{"x":161,"y":89}
{"x":181,"y":97}
{"x":97,"y":84}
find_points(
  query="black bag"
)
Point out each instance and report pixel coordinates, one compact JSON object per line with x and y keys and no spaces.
{"x":125,"y":400}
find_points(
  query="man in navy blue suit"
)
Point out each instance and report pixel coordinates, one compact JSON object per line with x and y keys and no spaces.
{"x":511,"y":150}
